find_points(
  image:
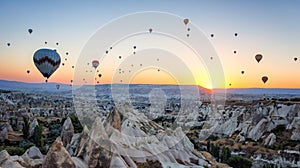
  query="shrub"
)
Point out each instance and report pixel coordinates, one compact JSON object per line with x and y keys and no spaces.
{"x":12,"y":150}
{"x":239,"y":162}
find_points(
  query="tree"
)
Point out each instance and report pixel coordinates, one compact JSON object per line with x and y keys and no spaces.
{"x":38,"y":137}
{"x":225,"y":154}
{"x":208,"y":146}
{"x":25,"y":129}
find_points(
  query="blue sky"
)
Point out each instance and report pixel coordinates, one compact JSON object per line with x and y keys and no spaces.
{"x":270,"y":27}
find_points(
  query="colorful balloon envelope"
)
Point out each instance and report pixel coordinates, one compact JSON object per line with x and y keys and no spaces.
{"x":95,"y":64}
{"x":258,"y":57}
{"x":47,"y":61}
{"x":264,"y":79}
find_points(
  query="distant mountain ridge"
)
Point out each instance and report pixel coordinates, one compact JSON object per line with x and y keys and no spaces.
{"x":67,"y":89}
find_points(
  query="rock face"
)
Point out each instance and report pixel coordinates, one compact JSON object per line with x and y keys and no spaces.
{"x":32,"y":125}
{"x":7,"y":162}
{"x":4,"y":129}
{"x":32,"y":157}
{"x":67,"y":131}
{"x":131,"y":140}
{"x":71,"y":147}
{"x":58,"y":156}
{"x":270,"y":140}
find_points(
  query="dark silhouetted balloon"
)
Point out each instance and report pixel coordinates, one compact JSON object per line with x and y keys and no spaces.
{"x":57,"y":87}
{"x":188,"y":29}
{"x":120,"y":57}
{"x":212,"y":35}
{"x":185,"y":21}
{"x":99,"y":75}
{"x":46,"y":80}
{"x":295,"y":59}
{"x":46,"y":42}
{"x":73,"y":66}
{"x":229,"y":84}
{"x":8,"y":44}
{"x":150,"y":30}
{"x":30,"y":31}
{"x":66,"y":59}
{"x":106,"y":52}
{"x":67,"y":53}
{"x":110,"y":48}
{"x":187,"y":35}
{"x":57,"y":43}
{"x":235,"y":34}
{"x":134,"y":52}
{"x":28,"y":71}
{"x":258,"y":57}
{"x":71,"y":81}
{"x":95,"y":63}
{"x":264,"y":79}
{"x":242,"y":72}
{"x":47,"y":61}
{"x":134,"y":47}
{"x":63,"y":64}
{"x":211,"y":58}
{"x":234,"y":52}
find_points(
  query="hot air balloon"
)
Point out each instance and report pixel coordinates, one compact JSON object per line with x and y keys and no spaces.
{"x":134,"y":52}
{"x":185,"y":21}
{"x":134,"y":47}
{"x":211,"y":35}
{"x":258,"y":57}
{"x":187,"y":35}
{"x":57,"y":43}
{"x":110,"y":48}
{"x":150,"y":30}
{"x":66,"y":59}
{"x":235,"y":34}
{"x":188,"y":29}
{"x":95,"y":63}
{"x":242,"y":72}
{"x":295,"y":59}
{"x":46,"y":61}
{"x":63,"y":64}
{"x":71,"y":81}
{"x":30,"y":31}
{"x":8,"y":44}
{"x":234,"y":52}
{"x":106,"y":52}
{"x":100,"y":75}
{"x":57,"y":87}
{"x":264,"y":79}
{"x":211,"y":58}
{"x":73,"y":66}
{"x":67,"y":53}
{"x":120,"y":57}
{"x":46,"y":42}
{"x":28,"y":71}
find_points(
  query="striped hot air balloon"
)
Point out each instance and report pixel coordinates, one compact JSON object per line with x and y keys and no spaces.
{"x":95,"y":64}
{"x":47,"y":61}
